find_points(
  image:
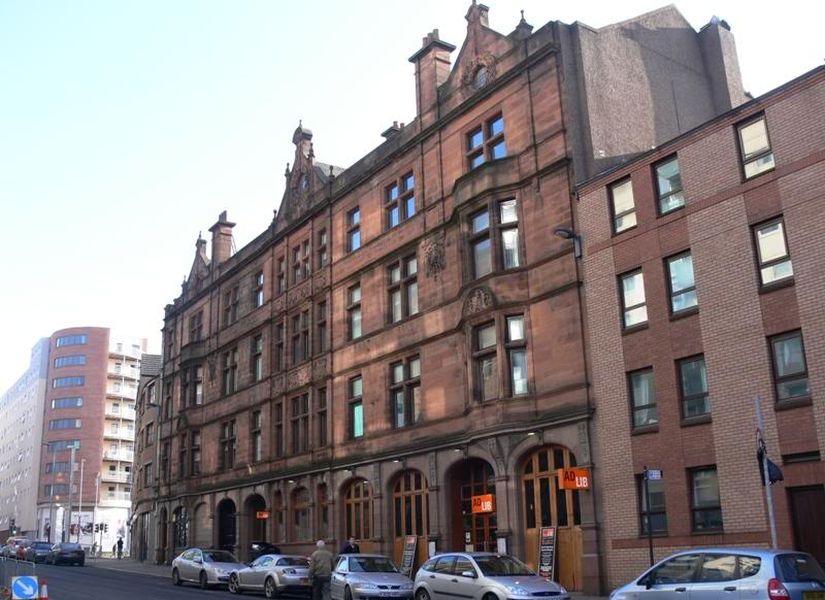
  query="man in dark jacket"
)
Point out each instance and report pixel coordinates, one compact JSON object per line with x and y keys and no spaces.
{"x":350,"y":547}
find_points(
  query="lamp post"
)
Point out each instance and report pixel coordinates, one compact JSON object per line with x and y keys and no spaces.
{"x":80,"y":499}
{"x":67,"y":533}
{"x":51,"y":490}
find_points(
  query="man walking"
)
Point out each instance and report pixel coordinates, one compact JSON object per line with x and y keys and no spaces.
{"x":119,"y":548}
{"x":320,"y":571}
{"x":350,"y":547}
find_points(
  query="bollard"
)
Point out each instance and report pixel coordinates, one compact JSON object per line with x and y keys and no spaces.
{"x":44,"y":590}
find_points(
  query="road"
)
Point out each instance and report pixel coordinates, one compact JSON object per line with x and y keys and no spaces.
{"x":94,"y":583}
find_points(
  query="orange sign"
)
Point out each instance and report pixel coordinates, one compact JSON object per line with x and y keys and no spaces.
{"x":574,"y":479}
{"x":486,"y":503}
{"x":262,"y":514}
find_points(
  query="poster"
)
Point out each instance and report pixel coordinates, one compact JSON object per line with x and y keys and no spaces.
{"x":547,"y":552}
{"x":408,"y":558}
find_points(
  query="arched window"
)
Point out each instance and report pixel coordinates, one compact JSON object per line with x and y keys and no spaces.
{"x":410,"y":507}
{"x":300,"y":516}
{"x":544,"y":503}
{"x":322,"y":512}
{"x":180,"y":527}
{"x":278,"y":517}
{"x":358,"y":510}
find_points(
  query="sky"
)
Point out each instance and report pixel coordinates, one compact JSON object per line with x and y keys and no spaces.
{"x":127,"y":126}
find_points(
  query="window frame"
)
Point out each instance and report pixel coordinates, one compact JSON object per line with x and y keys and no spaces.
{"x":409,"y":386}
{"x":644,"y":511}
{"x":354,"y":401}
{"x":279,"y":448}
{"x":672,"y":295}
{"x":489,"y":142}
{"x":353,"y":307}
{"x":683,"y":398}
{"x":321,"y":310}
{"x":494,"y":233}
{"x":258,"y":289}
{"x":761,"y":265}
{"x":299,"y":411}
{"x":396,"y":198}
{"x":625,"y":309}
{"x":779,"y":380}
{"x":321,"y":408}
{"x":407,"y":281}
{"x":231,"y":300}
{"x":743,"y":160}
{"x":614,"y":216}
{"x":660,"y":197}
{"x":256,"y":357}
{"x":280,"y":278}
{"x":321,"y":251}
{"x":279,"y":360}
{"x":353,"y":223}
{"x":300,"y":350}
{"x":229,"y":379}
{"x":480,"y":354}
{"x":634,"y":408}
{"x":227,"y":445}
{"x":515,"y":345}
{"x":694,"y":508}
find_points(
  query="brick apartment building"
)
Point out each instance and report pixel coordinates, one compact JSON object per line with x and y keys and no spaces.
{"x":703,"y":280}
{"x":406,"y":334}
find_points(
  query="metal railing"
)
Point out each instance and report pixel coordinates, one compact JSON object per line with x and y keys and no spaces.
{"x":11,"y":567}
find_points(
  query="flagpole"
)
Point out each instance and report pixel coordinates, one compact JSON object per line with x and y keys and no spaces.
{"x":766,"y":476}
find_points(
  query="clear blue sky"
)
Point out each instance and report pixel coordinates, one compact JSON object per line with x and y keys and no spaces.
{"x":127,"y":126}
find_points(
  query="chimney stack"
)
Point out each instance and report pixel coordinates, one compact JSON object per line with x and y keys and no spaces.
{"x":432,"y":67}
{"x":221,"y":239}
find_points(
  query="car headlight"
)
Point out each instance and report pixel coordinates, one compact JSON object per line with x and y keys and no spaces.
{"x":220,"y":571}
{"x":363,"y":585}
{"x":407,"y":586}
{"x":616,"y":595}
{"x":516,"y":590}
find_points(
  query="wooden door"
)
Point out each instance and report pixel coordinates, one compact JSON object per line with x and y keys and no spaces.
{"x":808,"y":513}
{"x":410,"y":514}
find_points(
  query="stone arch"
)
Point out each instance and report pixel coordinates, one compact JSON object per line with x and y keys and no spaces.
{"x":180,"y":529}
{"x":200,"y":528}
{"x":227,"y":524}
{"x":409,"y":512}
{"x":253,"y":529}
{"x":357,"y":509}
{"x":300,"y":501}
{"x":467,"y":482}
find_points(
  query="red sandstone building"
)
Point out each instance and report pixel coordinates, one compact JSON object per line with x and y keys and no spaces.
{"x":406,"y":335}
{"x":703,"y":276}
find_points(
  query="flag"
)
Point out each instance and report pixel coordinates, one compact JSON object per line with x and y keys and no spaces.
{"x":774,"y":472}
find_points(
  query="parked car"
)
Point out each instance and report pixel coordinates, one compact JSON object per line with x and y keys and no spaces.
{"x":275,"y":574}
{"x":257,"y":549}
{"x":362,"y":576}
{"x":66,"y":552}
{"x":711,"y":573}
{"x":38,"y":551}
{"x":11,"y":546}
{"x":480,"y":575}
{"x":207,"y":567}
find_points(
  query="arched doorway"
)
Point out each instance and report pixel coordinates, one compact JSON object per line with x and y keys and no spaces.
{"x":161,"y":539}
{"x":255,"y":529}
{"x":180,"y":529}
{"x":545,"y":504}
{"x":227,"y":533}
{"x":321,"y":512}
{"x":410,"y":513}
{"x":278,"y":533}
{"x":358,"y":513}
{"x":473,"y":506}
{"x":300,"y":516}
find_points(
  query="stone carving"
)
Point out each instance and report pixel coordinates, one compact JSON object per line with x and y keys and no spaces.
{"x":495,"y":451}
{"x":297,"y":295}
{"x":277,"y":386}
{"x":279,"y":303}
{"x":478,"y":300}
{"x":212,"y":362}
{"x":433,"y":469}
{"x":434,"y":257}
{"x":321,"y":279}
{"x":298,"y":377}
{"x":485,"y":61}
{"x":183,"y":422}
{"x":376,"y":478}
{"x":319,"y":368}
{"x":584,"y":443}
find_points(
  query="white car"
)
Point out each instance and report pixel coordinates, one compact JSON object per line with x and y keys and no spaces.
{"x":207,"y":568}
{"x":368,"y":577}
{"x":274,"y":574}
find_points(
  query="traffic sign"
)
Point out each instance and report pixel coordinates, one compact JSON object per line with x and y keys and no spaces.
{"x":24,"y":588}
{"x":654,"y":474}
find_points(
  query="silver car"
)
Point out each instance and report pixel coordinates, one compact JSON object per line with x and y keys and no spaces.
{"x":482,"y":575}
{"x":274,"y":574}
{"x":368,"y":576}
{"x":729,"y":573}
{"x":207,"y":568}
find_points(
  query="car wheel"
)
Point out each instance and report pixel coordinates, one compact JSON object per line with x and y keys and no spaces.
{"x":422,"y":594}
{"x":176,"y":577}
{"x":490,"y":597}
{"x":347,"y":593}
{"x":234,"y":584}
{"x":203,"y":580}
{"x":270,"y":589}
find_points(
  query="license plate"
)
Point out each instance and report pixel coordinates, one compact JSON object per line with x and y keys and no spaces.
{"x":304,"y":579}
{"x":813,"y":595}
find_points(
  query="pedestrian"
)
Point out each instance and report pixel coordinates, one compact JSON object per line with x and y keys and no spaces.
{"x":350,"y":547}
{"x":320,"y":571}
{"x":119,"y":548}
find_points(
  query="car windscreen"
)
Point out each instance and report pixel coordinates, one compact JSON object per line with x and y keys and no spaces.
{"x":793,"y":568}
{"x":502,"y":566}
{"x":41,"y":546}
{"x":68,"y":546}
{"x":371,"y":564}
{"x":218,"y":556}
{"x":293,"y":561}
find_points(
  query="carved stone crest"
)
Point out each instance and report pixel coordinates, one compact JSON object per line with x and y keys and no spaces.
{"x":279,"y":303}
{"x":435,"y":260}
{"x":484,"y":61}
{"x":298,"y":377}
{"x":297,"y":295}
{"x":478,"y":300}
{"x":319,"y":368}
{"x":321,"y":280}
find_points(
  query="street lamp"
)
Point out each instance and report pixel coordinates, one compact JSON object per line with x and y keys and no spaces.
{"x":51,"y":490}
{"x":568,"y":234}
{"x":80,"y":499}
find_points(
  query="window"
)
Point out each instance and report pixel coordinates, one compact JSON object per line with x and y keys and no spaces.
{"x":704,"y":499}
{"x":195,"y":452}
{"x":634,"y":306}
{"x":354,"y":312}
{"x":655,"y":515}
{"x":300,"y":515}
{"x":405,"y":391}
{"x":718,"y":567}
{"x":68,"y":361}
{"x":61,"y":445}
{"x":517,"y":354}
{"x":279,"y":347}
{"x":356,"y":408}
{"x":484,"y":358}
{"x":278,"y":426}
{"x":182,"y":449}
{"x":306,"y":267}
{"x":60,"y":467}
{"x":71,"y":340}
{"x":679,"y":569}
{"x":67,"y":402}
{"x":321,"y":327}
{"x":682,"y":285}
{"x":56,"y":489}
{"x":772,"y":251}
{"x":230,"y":306}
{"x":300,"y":337}
{"x":321,"y":417}
{"x":258,"y":290}
{"x":169,"y":335}
{"x":494,"y":238}
{"x":227,"y":445}
{"x":167,"y":401}
{"x":300,"y":423}
{"x":755,"y":147}
{"x":402,"y":289}
{"x":281,"y":276}
{"x":60,"y":382}
{"x":486,"y":142}
{"x":197,"y":386}
{"x":296,"y":264}
{"x":694,"y":387}
{"x":323,"y":257}
{"x":623,"y":206}
{"x":354,"y":229}
{"x":230,"y":371}
{"x":256,"y":437}
{"x":399,"y":201}
{"x":164,"y":461}
{"x":642,"y":398}
{"x":64,"y":424}
{"x":358,"y":510}
{"x":256,"y":363}
{"x":148,"y":479}
{"x":149,"y":433}
{"x":196,"y":327}
{"x":669,"y":185}
{"x":790,"y":370}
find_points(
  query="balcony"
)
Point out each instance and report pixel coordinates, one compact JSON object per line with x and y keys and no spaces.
{"x":118,"y":499}
{"x":116,"y":477}
{"x":123,"y":391}
{"x":193,"y":351}
{"x":128,"y":350}
{"x":125,"y":455}
{"x":127,"y":414}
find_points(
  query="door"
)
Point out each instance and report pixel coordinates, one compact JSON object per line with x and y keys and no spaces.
{"x":258,"y":572}
{"x":339,"y":578}
{"x":464,"y":587}
{"x":716,"y":579}
{"x":809,"y":520}
{"x":441,"y":578}
{"x":670,"y":580}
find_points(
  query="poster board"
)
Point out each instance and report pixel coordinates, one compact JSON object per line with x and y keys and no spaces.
{"x":408,"y":557}
{"x":547,"y":552}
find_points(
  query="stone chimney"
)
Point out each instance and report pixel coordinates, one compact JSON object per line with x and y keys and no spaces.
{"x":432,"y":67}
{"x":722,"y":65}
{"x":221,"y":240}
